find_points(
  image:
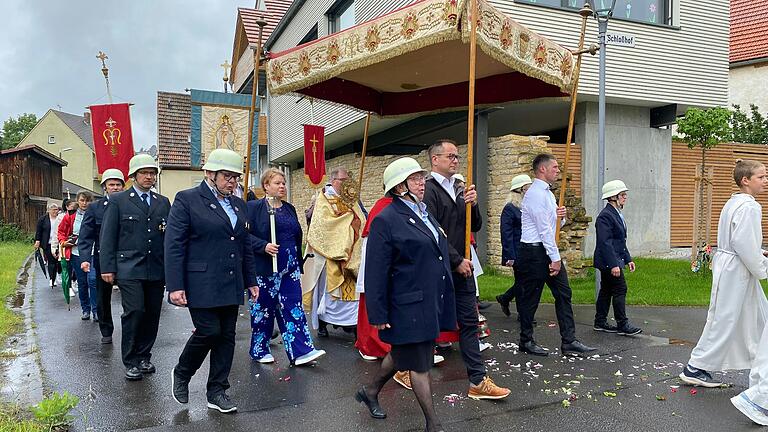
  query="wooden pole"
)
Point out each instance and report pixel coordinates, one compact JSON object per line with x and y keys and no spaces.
{"x":472,"y":21}
{"x":362,"y":156}
{"x":251,"y":115}
{"x":585,"y":13}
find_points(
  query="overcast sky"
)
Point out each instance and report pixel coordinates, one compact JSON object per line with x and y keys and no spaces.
{"x":48,"y":53}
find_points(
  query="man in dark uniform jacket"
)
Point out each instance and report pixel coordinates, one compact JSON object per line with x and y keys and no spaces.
{"x":112,"y":181}
{"x":209,"y":264}
{"x":131,"y":253}
{"x":449,"y":210}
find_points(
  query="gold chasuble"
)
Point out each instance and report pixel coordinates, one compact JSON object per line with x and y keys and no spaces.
{"x":335,"y":234}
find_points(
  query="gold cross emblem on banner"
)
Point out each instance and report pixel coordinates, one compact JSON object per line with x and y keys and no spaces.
{"x":314,"y":142}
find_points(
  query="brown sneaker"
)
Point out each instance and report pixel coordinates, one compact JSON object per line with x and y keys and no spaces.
{"x":403,"y":378}
{"x":487,"y":390}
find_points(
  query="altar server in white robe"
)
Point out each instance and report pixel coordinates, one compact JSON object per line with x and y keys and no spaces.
{"x":738,"y":309}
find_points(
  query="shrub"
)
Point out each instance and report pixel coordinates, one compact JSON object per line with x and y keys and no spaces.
{"x":12,"y":232}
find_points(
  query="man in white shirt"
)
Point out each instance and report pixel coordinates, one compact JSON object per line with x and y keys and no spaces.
{"x":539,"y":261}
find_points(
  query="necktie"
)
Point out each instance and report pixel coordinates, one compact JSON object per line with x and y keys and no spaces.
{"x":145,"y":199}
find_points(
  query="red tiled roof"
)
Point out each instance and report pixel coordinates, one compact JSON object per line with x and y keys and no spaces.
{"x":174,"y":115}
{"x":275,"y":11}
{"x":749,"y":30}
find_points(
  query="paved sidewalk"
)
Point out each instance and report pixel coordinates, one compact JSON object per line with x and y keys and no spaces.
{"x":639,"y":371}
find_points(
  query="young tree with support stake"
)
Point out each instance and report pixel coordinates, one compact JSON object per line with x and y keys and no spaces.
{"x":704,"y":129}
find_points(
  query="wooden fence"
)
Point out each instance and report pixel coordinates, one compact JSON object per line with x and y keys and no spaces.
{"x":721,"y":158}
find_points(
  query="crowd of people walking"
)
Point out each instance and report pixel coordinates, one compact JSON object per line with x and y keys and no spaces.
{"x":396,"y":277}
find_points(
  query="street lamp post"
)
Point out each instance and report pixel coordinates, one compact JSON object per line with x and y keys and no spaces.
{"x":603,"y":15}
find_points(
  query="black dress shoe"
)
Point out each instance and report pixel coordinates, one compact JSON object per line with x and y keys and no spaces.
{"x":575,"y":348}
{"x":504,"y":305}
{"x":106,"y":340}
{"x":133,"y":374}
{"x":145,"y":366}
{"x":179,"y":388}
{"x":373,"y":405}
{"x":322,"y":329}
{"x":533,"y":348}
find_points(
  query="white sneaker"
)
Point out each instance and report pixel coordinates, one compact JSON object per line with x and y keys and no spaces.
{"x":266,"y":359}
{"x":309,"y":357}
{"x":367,"y":357}
{"x":484,"y":346}
{"x":749,"y":409}
{"x":437,"y":358}
{"x":52,"y":284}
{"x":72,"y":293}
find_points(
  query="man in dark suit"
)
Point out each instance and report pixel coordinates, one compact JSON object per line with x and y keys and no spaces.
{"x":112,"y":181}
{"x":449,"y":210}
{"x":610,"y":258}
{"x":209,"y":263}
{"x":131,"y":253}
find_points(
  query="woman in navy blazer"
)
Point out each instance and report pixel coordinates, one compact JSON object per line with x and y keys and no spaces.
{"x":280,"y":293}
{"x":408,"y":287}
{"x":511,"y":231}
{"x":610,"y":258}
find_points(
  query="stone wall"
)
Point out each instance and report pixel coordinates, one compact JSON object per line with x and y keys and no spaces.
{"x":509,"y":156}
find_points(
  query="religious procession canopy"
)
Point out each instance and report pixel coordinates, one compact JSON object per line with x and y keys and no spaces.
{"x":415,"y":60}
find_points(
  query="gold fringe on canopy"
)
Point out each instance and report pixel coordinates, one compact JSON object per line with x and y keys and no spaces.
{"x":414,"y":27}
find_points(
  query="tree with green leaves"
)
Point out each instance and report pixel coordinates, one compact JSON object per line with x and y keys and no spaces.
{"x":14,"y":130}
{"x":705,"y":129}
{"x":752,"y":128}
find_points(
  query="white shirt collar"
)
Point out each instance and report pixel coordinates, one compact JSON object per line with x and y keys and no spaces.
{"x":442,"y":179}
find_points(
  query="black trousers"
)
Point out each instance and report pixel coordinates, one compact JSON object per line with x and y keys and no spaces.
{"x":466,"y":314}
{"x":612,"y":289}
{"x":103,"y":300}
{"x":514,"y":291}
{"x":214,"y":333}
{"x":533,"y":272}
{"x":51,"y":262}
{"x":141,"y":301}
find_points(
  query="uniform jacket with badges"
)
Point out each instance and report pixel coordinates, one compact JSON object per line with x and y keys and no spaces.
{"x":258,"y":216}
{"x":452,"y":217}
{"x":511,"y":232}
{"x":408,"y":277}
{"x":204,"y":255}
{"x":132,"y":236}
{"x":611,"y":246}
{"x":90,"y":229}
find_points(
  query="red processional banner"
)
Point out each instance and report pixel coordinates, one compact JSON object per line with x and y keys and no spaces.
{"x":112,"y":138}
{"x":314,"y":154}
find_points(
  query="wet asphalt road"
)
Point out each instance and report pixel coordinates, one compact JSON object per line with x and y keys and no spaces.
{"x":639,"y":371}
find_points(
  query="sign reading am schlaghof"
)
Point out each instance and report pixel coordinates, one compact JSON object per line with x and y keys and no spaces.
{"x":620,"y":39}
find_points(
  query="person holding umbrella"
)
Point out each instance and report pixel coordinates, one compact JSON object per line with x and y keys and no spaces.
{"x":46,"y":238}
{"x":112,"y":181}
{"x":68,"y":234}
{"x":208,"y":265}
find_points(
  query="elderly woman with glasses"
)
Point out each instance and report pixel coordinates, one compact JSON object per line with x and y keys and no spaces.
{"x":46,"y":238}
{"x":280,"y":291}
{"x":408,"y":287}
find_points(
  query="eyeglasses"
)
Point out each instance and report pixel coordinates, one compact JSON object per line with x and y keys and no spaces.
{"x":451,"y":156}
{"x":148,"y":173}
{"x":418,"y":178}
{"x":230,"y":176}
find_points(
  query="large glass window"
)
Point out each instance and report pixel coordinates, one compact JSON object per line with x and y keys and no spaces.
{"x":341,"y":16}
{"x":648,"y":11}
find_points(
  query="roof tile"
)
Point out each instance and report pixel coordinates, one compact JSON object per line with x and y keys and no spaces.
{"x":749,"y":30}
{"x":174,"y":114}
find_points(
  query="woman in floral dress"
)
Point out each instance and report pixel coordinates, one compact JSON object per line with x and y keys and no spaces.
{"x":279,"y":293}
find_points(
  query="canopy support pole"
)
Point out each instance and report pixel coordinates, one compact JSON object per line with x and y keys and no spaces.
{"x":472,"y":21}
{"x":362,"y":155}
{"x":585,"y":13}
{"x":252,"y":113}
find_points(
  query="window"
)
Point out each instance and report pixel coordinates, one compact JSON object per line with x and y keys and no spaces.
{"x":51,"y":139}
{"x":341,"y":16}
{"x":312,"y":35}
{"x":646,"y":11}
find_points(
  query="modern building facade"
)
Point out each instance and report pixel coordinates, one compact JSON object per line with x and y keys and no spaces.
{"x":678,"y":59}
{"x":748,"y":75}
